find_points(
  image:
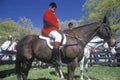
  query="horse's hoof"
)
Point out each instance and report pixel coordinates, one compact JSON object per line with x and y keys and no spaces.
{"x":88,"y":79}
{"x":62,"y":77}
{"x":81,"y":79}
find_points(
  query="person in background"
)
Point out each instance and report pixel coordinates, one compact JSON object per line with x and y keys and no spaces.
{"x":51,"y":29}
{"x":96,"y":55}
{"x":13,"y":46}
{"x":6,"y":44}
{"x":70,"y":26}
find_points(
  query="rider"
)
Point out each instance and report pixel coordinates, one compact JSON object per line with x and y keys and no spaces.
{"x":70,"y":26}
{"x":51,"y":29}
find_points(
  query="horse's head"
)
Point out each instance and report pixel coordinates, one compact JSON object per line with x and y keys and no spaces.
{"x":104,"y":31}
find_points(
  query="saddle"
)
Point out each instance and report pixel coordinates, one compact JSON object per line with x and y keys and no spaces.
{"x":50,"y":41}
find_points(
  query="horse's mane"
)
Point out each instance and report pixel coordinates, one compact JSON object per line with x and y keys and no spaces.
{"x":87,"y":25}
{"x":83,"y":27}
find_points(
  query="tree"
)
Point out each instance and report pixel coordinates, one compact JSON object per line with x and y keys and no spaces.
{"x":95,"y":10}
{"x":27,"y":26}
{"x":10,"y":27}
{"x":26,"y":23}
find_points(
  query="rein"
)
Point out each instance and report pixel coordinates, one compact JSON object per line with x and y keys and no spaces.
{"x":108,"y":34}
{"x":79,"y":40}
{"x":90,"y":37}
{"x":71,"y":37}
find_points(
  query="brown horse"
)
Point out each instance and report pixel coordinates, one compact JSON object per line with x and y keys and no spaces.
{"x":32,"y":46}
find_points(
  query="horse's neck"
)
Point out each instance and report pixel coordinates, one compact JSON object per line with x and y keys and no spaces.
{"x":87,"y":35}
{"x":84,"y":33}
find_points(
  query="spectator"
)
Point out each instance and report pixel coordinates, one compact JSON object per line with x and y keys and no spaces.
{"x":70,"y":26}
{"x":6,"y":44}
{"x":96,"y":55}
{"x":13,"y":46}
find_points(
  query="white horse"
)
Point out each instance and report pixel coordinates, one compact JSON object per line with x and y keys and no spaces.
{"x":93,"y":44}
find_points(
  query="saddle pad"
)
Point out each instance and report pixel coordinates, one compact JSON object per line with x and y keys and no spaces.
{"x":50,"y":41}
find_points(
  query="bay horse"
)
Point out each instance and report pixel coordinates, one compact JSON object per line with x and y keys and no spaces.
{"x":31,"y":46}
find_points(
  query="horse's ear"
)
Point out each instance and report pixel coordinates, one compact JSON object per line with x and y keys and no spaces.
{"x":105,"y":19}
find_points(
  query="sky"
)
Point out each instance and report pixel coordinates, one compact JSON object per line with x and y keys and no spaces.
{"x":34,"y":9}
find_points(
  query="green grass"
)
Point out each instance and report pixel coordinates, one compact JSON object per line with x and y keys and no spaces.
{"x":104,"y":73}
{"x":6,"y":67}
{"x":95,"y":73}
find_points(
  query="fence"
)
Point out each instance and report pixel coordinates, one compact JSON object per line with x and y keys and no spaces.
{"x":105,"y":58}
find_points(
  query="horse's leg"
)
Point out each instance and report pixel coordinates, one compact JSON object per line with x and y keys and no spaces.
{"x":86,"y":57}
{"x":81,"y":68}
{"x":71,"y":69}
{"x":18,"y":68}
{"x":59,"y":71}
{"x":86,"y":69}
{"x":109,"y":58}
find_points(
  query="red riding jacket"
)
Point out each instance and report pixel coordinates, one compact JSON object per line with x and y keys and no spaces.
{"x":49,"y":22}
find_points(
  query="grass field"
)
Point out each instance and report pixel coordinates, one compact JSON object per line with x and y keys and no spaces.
{"x":95,"y":73}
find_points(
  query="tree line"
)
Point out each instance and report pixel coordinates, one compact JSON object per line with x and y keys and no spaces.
{"x":17,"y":29}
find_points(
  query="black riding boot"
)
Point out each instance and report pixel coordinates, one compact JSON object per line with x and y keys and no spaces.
{"x":56,"y":57}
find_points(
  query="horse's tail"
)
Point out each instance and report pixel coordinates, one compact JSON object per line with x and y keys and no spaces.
{"x":21,"y":66}
{"x":18,"y":68}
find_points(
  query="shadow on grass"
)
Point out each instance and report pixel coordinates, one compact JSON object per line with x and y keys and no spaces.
{"x":5,"y":73}
{"x":92,"y":78}
{"x":65,"y":75}
{"x":75,"y":76}
{"x":40,"y":79}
